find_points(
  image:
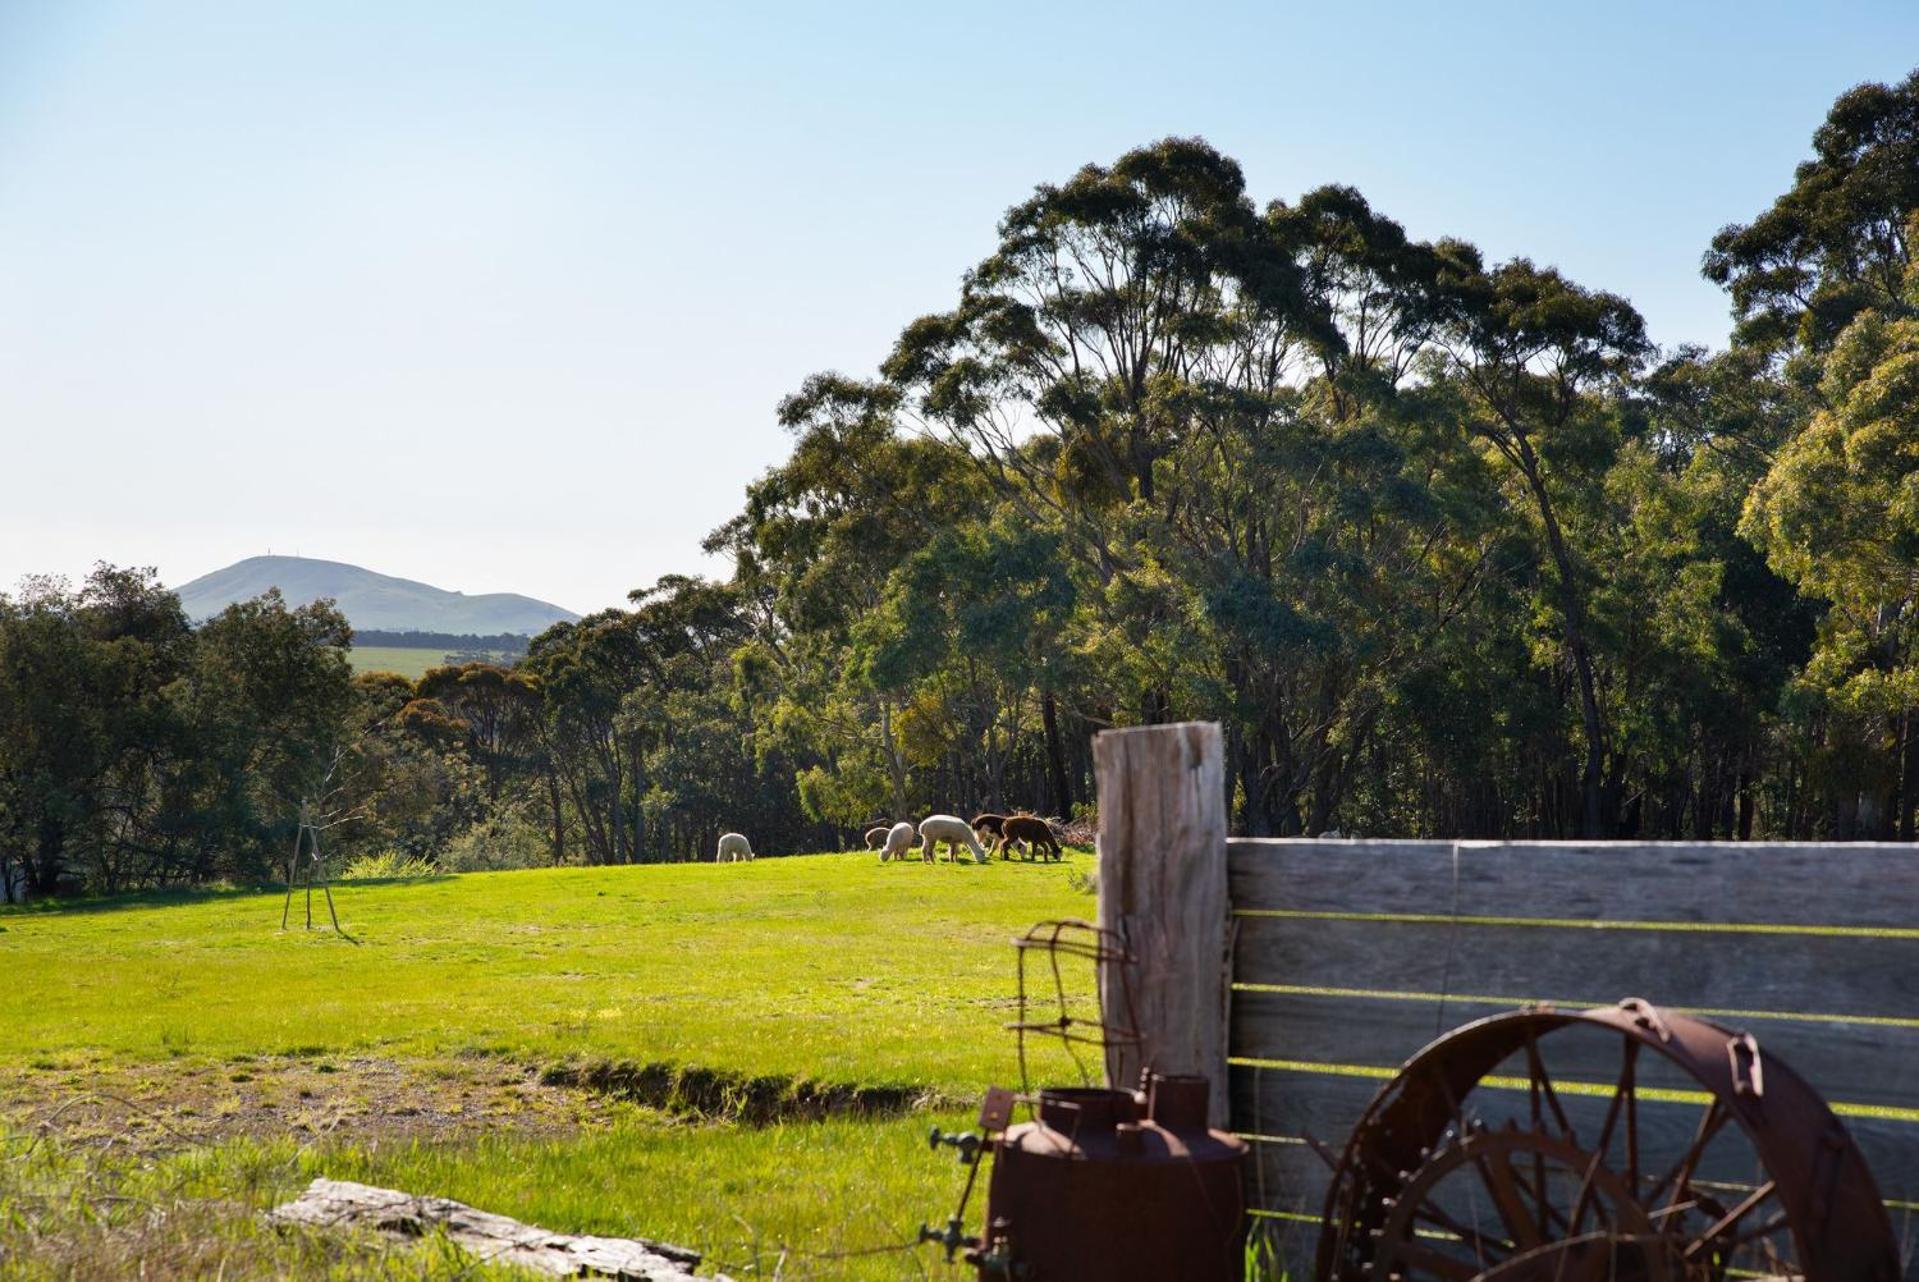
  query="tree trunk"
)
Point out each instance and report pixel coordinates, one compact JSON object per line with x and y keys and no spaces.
{"x":44,"y":873}
{"x":1592,"y":776}
{"x":559,"y":816}
{"x":895,"y":763}
{"x":1056,"y":758}
{"x":1908,"y":780}
{"x":616,"y":829}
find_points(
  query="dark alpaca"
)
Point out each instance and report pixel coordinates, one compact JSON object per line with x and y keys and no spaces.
{"x":1031,"y":829}
{"x":876,"y":837}
{"x":989,"y":822}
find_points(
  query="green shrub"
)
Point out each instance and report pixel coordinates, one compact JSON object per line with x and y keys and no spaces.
{"x":387,"y":865}
{"x":496,"y":845}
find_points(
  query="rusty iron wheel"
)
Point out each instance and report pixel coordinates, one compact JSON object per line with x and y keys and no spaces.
{"x":1519,"y":1149}
{"x":1606,"y":1232}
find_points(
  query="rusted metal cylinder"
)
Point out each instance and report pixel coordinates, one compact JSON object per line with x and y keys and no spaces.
{"x":1112,"y":1186}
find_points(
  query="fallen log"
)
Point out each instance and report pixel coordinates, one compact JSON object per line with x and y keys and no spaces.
{"x":494,"y":1239}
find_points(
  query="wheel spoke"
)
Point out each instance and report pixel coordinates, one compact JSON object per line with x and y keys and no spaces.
{"x":1543,"y":1084}
{"x":1549,"y":1214}
{"x":1445,"y":1266}
{"x":1497,"y":1174}
{"x":1480,"y":1242}
{"x":1629,"y":1057}
{"x":1680,"y":1176}
{"x":1629,"y":1082}
{"x":1726,"y":1222}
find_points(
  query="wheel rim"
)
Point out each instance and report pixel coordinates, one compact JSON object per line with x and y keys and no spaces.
{"x":1574,"y":1188}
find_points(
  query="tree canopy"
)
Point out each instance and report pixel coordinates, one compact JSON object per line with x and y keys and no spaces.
{"x":1448,"y":546}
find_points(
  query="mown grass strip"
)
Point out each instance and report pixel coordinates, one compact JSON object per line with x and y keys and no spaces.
{"x":1577,"y":923}
{"x":1597,"y":1090}
{"x":1400,"y":995}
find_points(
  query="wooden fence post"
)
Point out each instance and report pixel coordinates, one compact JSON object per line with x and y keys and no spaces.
{"x":1162,"y":886}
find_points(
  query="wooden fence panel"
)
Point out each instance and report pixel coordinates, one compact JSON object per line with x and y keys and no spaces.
{"x":1860,"y":884}
{"x":1351,"y":955}
{"x":1162,"y":874}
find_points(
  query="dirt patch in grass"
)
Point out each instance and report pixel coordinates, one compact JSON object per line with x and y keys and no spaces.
{"x":183,"y":1104}
{"x":178,"y":1105}
{"x":711,"y":1094}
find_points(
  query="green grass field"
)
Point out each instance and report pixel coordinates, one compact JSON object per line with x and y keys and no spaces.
{"x":627,"y":1050}
{"x":410,"y":662}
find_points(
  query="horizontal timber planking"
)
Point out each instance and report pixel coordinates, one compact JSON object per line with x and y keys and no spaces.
{"x":1342,"y":950}
{"x":1865,"y":884}
{"x":1859,"y":1069}
{"x":1871,"y":980}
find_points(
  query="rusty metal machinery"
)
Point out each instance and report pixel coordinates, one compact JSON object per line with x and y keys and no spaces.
{"x":1123,"y":1186}
{"x":1103,"y":1185}
{"x":1624,"y":1144}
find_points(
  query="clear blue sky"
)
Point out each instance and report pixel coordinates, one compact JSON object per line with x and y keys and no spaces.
{"x":502,"y":296}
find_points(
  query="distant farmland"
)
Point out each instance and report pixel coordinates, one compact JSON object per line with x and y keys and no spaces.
{"x":409,"y":661}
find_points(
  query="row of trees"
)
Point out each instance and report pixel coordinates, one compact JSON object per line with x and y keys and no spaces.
{"x":1447,"y":546}
{"x":136,"y":750}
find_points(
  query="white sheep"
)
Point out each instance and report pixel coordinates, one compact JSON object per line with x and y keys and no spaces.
{"x":733,"y":848}
{"x":955,"y":832}
{"x":899,"y":840}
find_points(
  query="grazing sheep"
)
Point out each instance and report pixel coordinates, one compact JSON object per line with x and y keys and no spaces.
{"x":1031,"y":829}
{"x":876,"y":837}
{"x":988,"y":822}
{"x":899,"y":840}
{"x":955,"y":832}
{"x":733,"y":849}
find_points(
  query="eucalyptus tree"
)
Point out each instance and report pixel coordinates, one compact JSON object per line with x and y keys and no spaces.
{"x":1541,"y":362}
{"x":1841,"y":240}
{"x":1208,"y":403}
{"x":813,"y":554}
{"x":1824,"y":284}
{"x":92,"y":754}
{"x":497,"y":710}
{"x":971,"y":624}
{"x":1838,"y":515}
{"x":135,"y":750}
{"x":585,"y":670}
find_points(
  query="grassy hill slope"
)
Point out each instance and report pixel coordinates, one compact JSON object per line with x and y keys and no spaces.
{"x":832,"y":968}
{"x":175,"y":1063}
{"x":369,"y":600}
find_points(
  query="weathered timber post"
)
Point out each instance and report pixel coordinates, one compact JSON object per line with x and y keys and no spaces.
{"x":1162,"y":887}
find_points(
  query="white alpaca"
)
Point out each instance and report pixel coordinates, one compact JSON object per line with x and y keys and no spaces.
{"x":899,"y":840}
{"x":955,"y":832}
{"x":733,"y":849}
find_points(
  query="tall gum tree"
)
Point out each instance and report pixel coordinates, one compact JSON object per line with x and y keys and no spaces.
{"x":1840,"y":241}
{"x":1535,"y":355}
{"x":813,"y":553}
{"x":1821,"y":283}
{"x":1205,"y":400}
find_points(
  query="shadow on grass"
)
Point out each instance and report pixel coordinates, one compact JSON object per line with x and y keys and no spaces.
{"x":164,"y":897}
{"x":715,"y":1094}
{"x":174,"y":896}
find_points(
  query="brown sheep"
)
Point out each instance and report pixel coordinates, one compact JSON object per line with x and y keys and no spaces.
{"x":988,"y":822}
{"x":1031,"y":829}
{"x":876,"y":837}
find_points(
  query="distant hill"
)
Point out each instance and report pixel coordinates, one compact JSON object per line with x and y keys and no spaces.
{"x":372,"y":601}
